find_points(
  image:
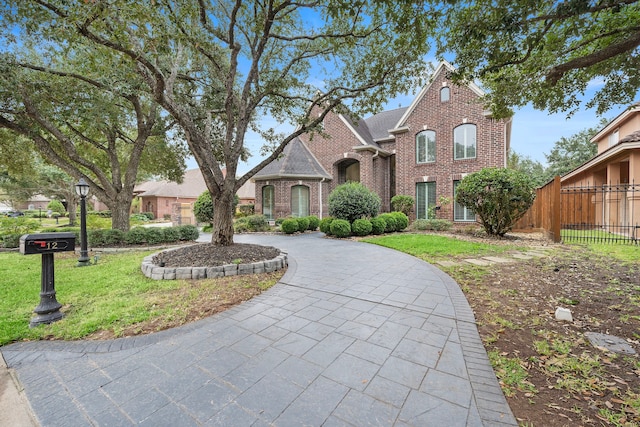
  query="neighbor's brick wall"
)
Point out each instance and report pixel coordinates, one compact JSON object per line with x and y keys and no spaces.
{"x":282,"y":195}
{"x":442,"y":117}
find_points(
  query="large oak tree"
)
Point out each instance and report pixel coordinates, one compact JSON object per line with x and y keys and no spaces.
{"x":218,"y":67}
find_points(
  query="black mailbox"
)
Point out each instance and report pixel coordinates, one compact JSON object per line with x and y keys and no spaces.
{"x":47,"y":243}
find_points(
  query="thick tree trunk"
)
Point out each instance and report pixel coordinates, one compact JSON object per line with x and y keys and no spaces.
{"x":120,"y":215}
{"x":222,"y":233}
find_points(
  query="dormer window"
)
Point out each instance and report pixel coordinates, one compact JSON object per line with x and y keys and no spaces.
{"x":445,"y":94}
{"x":614,"y":137}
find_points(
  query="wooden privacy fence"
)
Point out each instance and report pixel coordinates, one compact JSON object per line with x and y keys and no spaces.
{"x":607,"y":213}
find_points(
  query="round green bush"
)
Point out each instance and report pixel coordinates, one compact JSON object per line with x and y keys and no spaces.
{"x":203,"y":208}
{"x":402,"y":221}
{"x":314,"y":222}
{"x":171,"y":234}
{"x":241,"y":225}
{"x":113,"y":237}
{"x":361,"y":227}
{"x":303,"y":223}
{"x":258,"y":222}
{"x":188,"y":232}
{"x":135,"y":236}
{"x":391,"y":223}
{"x":56,"y":206}
{"x":353,"y":201}
{"x":402,"y":203}
{"x":325,"y":225}
{"x":378,"y":225}
{"x":340,"y":228}
{"x":149,"y":215}
{"x":289,"y":225}
{"x":154,"y":235}
{"x":96,"y":237}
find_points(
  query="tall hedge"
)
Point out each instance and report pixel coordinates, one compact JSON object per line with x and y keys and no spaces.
{"x":353,"y":201}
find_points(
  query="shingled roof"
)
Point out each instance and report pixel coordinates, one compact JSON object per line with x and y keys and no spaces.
{"x":296,"y":162}
{"x":632,"y":137}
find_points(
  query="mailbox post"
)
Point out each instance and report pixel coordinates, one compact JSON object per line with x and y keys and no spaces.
{"x":47,"y":244}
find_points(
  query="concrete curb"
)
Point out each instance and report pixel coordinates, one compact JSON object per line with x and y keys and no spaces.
{"x":156,"y":272}
{"x":15,"y":410}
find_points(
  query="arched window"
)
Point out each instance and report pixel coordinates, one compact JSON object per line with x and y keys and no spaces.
{"x":299,"y":201}
{"x":426,"y":147}
{"x":464,"y":142}
{"x":445,"y":94}
{"x":268,"y":201}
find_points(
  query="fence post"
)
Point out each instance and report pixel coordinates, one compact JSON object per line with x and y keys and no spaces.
{"x":556,"y":217}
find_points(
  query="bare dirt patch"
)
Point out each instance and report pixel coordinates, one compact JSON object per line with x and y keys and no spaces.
{"x":551,"y":374}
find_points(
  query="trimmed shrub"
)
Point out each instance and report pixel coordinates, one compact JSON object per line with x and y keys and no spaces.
{"x":390,"y":221}
{"x":289,"y":225}
{"x":241,"y":225}
{"x":402,"y":203}
{"x":171,"y":234}
{"x":325,"y":225}
{"x":113,"y":237}
{"x":96,"y":237}
{"x":314,"y":222}
{"x":402,"y":221}
{"x":188,"y":232}
{"x":246,"y":210}
{"x":378,"y":225}
{"x":203,"y":208}
{"x":361,"y":227}
{"x":303,"y":223}
{"x":279,"y":221}
{"x":353,"y":201}
{"x":432,"y":224}
{"x":11,"y":240}
{"x":135,"y":236}
{"x":251,"y":223}
{"x":154,"y":235}
{"x":56,"y":206}
{"x":150,"y":216}
{"x":340,"y":228}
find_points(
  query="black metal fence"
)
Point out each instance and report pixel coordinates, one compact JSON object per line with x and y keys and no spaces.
{"x":603,"y":214}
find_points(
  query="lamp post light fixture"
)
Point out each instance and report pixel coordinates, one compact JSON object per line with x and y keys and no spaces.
{"x":82,"y":190}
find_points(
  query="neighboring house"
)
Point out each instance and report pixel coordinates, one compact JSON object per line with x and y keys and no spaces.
{"x":170,"y":200}
{"x":422,"y":150}
{"x":610,"y":180}
{"x":36,"y":202}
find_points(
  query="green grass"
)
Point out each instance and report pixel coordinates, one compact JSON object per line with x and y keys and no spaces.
{"x":624,"y":253}
{"x":431,"y":248}
{"x":110,"y":295}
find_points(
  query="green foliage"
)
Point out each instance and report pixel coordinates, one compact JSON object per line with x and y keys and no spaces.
{"x":361,"y":227}
{"x":340,"y":228}
{"x":498,"y":196}
{"x":56,"y":206}
{"x":432,"y":224}
{"x":10,"y":240}
{"x":391,"y":224}
{"x":289,"y":225}
{"x":95,"y":222}
{"x":252,"y":223}
{"x":402,"y":203}
{"x":325,"y":225}
{"x":154,"y":235}
{"x":533,"y":168}
{"x":188,"y":232}
{"x":96,"y":237}
{"x":569,"y":153}
{"x":139,"y":218}
{"x":303,"y":223}
{"x":203,"y":208}
{"x":149,"y":215}
{"x":19,"y":225}
{"x":378,"y":225}
{"x":352,"y":201}
{"x":246,"y":210}
{"x":402,"y":221}
{"x":314,"y":222}
{"x":171,"y":234}
{"x":135,"y":236}
{"x":545,"y":54}
{"x":113,"y":237}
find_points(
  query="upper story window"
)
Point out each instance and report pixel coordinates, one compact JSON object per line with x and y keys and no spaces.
{"x":464,"y":142}
{"x":614,"y":137}
{"x":445,"y":94}
{"x":426,"y":147}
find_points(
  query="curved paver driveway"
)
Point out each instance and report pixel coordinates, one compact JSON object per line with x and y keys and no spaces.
{"x":353,"y":335}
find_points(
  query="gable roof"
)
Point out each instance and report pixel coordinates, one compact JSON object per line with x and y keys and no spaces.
{"x":296,"y":162}
{"x":192,"y":186}
{"x":622,"y":117}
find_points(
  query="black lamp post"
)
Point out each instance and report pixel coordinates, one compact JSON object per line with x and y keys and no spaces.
{"x":82,"y":190}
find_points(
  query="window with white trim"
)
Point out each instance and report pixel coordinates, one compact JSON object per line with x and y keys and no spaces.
{"x":426,"y":147}
{"x":299,"y":201}
{"x":614,"y":137}
{"x":268,"y":201}
{"x":464,"y":142}
{"x":445,"y":94}
{"x":461,"y":213}
{"x":425,"y":200}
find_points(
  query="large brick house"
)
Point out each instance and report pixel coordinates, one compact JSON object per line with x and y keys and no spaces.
{"x":422,"y":150}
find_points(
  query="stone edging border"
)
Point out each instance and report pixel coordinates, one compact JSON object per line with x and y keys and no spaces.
{"x":155,"y":272}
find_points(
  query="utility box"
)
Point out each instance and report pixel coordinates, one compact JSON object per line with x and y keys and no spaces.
{"x":47,"y":243}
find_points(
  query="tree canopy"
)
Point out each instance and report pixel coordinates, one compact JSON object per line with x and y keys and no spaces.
{"x":215,"y":67}
{"x":570,"y":152}
{"x":546,"y":52}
